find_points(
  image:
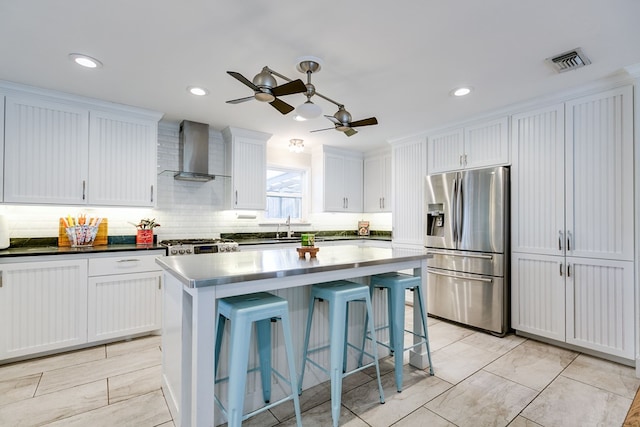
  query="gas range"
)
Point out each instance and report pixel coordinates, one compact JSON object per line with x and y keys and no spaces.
{"x":199,"y":246}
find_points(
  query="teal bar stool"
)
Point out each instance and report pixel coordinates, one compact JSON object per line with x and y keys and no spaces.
{"x":262,"y":308}
{"x":396,"y":284}
{"x":339,"y":294}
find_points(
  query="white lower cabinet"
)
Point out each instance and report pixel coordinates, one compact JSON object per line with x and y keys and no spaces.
{"x":49,"y":304}
{"x":584,"y":302}
{"x":43,"y":306}
{"x":124,"y":296}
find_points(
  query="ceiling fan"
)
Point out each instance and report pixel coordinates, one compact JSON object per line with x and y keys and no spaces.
{"x":342,"y":122}
{"x":265,"y":89}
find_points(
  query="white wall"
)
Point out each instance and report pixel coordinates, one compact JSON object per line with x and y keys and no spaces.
{"x":184,"y":209}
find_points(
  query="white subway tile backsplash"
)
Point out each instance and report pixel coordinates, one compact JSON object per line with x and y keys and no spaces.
{"x":184,"y":209}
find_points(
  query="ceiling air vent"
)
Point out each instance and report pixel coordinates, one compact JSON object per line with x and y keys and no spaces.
{"x":569,"y":60}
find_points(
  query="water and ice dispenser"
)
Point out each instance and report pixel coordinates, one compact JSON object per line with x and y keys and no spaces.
{"x":435,"y":219}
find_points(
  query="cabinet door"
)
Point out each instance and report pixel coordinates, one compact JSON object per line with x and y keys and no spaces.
{"x":600,"y":311}
{"x":537,"y":181}
{"x":124,"y":304}
{"x":409,"y":170}
{"x":1,"y":147}
{"x":446,"y":152}
{"x":487,"y":144}
{"x":249,"y":174}
{"x":538,"y":295}
{"x":123,"y":160}
{"x":599,"y":167}
{"x":46,"y":151}
{"x":353,"y":184}
{"x":373,"y":184}
{"x":377,"y":184}
{"x":334,"y":183}
{"x":43,"y":306}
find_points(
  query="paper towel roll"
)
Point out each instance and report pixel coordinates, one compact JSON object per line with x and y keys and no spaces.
{"x":4,"y":233}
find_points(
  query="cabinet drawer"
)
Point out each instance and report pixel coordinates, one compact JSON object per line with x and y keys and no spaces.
{"x":130,"y":263}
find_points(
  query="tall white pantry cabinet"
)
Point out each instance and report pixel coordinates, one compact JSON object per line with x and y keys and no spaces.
{"x":573,"y":222}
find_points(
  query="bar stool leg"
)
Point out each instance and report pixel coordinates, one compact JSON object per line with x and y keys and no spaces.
{"x":263,"y":330}
{"x":337,"y":316}
{"x":219,"y":332}
{"x":312,"y":301}
{"x":372,"y":331}
{"x":240,"y":337}
{"x":423,"y":316}
{"x":288,"y":345}
{"x":396,"y":306}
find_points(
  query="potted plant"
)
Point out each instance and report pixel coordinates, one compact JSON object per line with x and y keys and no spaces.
{"x":144,"y":235}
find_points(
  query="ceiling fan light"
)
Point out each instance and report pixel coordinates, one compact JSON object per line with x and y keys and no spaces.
{"x":264,"y":97}
{"x":309,"y":110}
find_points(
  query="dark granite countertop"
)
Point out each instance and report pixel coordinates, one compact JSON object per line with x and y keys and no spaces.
{"x":49,"y":246}
{"x":320,"y":236}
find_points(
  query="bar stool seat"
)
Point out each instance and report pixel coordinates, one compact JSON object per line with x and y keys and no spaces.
{"x":262,"y":308}
{"x":396,"y":284}
{"x":339,"y":294}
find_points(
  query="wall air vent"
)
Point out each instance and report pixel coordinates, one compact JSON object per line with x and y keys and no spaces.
{"x":569,"y":60}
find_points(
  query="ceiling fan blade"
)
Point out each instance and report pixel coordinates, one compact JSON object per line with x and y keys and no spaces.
{"x":281,"y":106}
{"x":320,"y":130}
{"x":243,"y":79}
{"x":296,"y":86}
{"x":239,"y":100}
{"x":365,"y":122}
{"x":333,"y":120}
{"x":350,"y":132}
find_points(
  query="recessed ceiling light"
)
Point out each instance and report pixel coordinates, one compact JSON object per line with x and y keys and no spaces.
{"x":461,"y":91}
{"x":84,"y":60}
{"x":198,"y":91}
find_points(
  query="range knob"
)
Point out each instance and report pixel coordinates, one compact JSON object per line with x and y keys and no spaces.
{"x":188,"y":251}
{"x":174,"y":251}
{"x":181,"y":251}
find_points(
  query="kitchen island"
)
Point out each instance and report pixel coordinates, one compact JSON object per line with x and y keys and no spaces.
{"x":194,"y":283}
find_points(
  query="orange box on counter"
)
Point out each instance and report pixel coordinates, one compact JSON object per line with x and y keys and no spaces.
{"x":100,"y":240}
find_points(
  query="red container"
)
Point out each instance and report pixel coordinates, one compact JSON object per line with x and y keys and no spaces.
{"x":144,"y":237}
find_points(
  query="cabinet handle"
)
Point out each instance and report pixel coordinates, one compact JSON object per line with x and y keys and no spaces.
{"x":560,"y":265}
{"x":0,"y":278}
{"x":383,"y":203}
{"x":560,"y":239}
{"x":84,"y":188}
{"x":152,"y":194}
{"x":568,"y":270}
{"x":129,"y":260}
{"x":159,"y":283}
{"x":568,"y":241}
{"x":346,"y":202}
{"x":460,"y":161}
{"x":236,"y":202}
{"x":465,"y":159}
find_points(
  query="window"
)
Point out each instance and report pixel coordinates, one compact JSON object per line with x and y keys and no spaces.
{"x":285,"y":193}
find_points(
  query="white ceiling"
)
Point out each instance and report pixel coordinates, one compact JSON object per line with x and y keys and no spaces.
{"x":396,"y":61}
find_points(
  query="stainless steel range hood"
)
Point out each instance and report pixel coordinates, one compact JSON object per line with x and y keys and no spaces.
{"x":194,"y":152}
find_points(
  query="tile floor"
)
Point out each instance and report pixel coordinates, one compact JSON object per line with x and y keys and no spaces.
{"x":480,"y":380}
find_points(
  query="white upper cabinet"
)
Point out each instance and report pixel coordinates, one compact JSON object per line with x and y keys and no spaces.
{"x":123,"y":159}
{"x":599,"y":180}
{"x":482,"y":145}
{"x":410,"y":165}
{"x":65,"y":150}
{"x":46,"y":151}
{"x":537,"y":181}
{"x":246,"y":152}
{"x":337,"y":180}
{"x":377,"y":183}
{"x":1,"y":146}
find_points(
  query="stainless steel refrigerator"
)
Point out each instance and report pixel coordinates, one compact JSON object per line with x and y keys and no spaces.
{"x":467,"y":233}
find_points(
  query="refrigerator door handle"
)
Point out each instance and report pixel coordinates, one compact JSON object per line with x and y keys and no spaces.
{"x":459,"y":210}
{"x":454,"y":222}
{"x":456,"y":276}
{"x":461,"y":255}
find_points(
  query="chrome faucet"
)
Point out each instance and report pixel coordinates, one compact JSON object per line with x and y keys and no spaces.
{"x":289,"y":232}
